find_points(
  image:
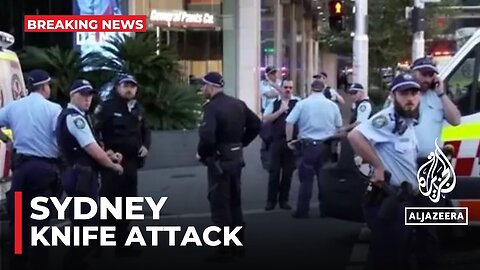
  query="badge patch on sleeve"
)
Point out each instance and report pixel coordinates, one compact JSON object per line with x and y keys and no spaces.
{"x":79,"y":123}
{"x":362,"y":108}
{"x":379,"y":121}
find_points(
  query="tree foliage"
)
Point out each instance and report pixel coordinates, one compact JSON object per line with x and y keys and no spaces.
{"x":389,"y":32}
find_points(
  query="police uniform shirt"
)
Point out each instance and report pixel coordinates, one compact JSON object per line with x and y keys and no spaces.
{"x":78,"y":126}
{"x":317,"y":117}
{"x":33,"y":120}
{"x":397,"y":152}
{"x":265,"y":87}
{"x":430,"y":123}
{"x":363,"y":111}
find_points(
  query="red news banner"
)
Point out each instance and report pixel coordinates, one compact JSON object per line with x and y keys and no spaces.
{"x":85,"y":23}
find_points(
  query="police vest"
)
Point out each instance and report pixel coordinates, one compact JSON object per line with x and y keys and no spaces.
{"x":353,"y":118}
{"x":72,"y":152}
{"x":278,"y":125}
{"x":327,"y":93}
{"x":121,"y":130}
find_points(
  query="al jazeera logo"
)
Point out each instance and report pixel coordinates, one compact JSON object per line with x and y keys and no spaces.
{"x":436,"y":178}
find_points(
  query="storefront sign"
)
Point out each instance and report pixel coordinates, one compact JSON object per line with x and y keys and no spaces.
{"x":181,"y":19}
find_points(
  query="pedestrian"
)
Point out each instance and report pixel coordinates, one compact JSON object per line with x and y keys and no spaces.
{"x":120,"y":123}
{"x":83,"y":158}
{"x":32,"y":119}
{"x":227,"y":127}
{"x":329,"y":92}
{"x":388,"y":143}
{"x":282,"y":158}
{"x":435,"y":107}
{"x":318,"y":120}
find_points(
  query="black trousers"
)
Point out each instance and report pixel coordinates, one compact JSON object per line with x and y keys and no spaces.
{"x":114,"y":185}
{"x":282,"y":166}
{"x":224,"y":195}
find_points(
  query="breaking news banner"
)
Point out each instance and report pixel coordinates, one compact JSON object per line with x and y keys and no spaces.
{"x":85,"y":23}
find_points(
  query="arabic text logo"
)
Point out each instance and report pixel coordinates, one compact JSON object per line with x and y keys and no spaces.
{"x":436,"y":177}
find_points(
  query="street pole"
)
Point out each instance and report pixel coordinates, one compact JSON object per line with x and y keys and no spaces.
{"x":418,"y":23}
{"x":360,"y":44}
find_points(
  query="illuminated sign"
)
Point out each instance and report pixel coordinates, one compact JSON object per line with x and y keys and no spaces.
{"x":181,"y":19}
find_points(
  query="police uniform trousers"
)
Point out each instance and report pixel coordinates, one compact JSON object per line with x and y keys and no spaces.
{"x":282,"y":166}
{"x":394,"y":245}
{"x":313,"y":156}
{"x":76,"y":255}
{"x":224,"y":195}
{"x":33,"y":177}
{"x":115,"y":185}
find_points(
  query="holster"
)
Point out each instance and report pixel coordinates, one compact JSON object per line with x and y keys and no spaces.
{"x":85,"y":176}
{"x":230,"y":157}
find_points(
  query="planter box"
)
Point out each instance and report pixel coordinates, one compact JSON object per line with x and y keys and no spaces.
{"x":175,"y":148}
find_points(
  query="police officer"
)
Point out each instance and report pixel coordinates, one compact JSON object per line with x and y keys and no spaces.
{"x":228,"y":126}
{"x":435,"y":106}
{"x":121,"y":125}
{"x":329,"y":92}
{"x":362,"y":106}
{"x":32,"y":120}
{"x":318,"y":120}
{"x":270,"y":88}
{"x":83,"y":157}
{"x":387,"y":141}
{"x":282,"y":159}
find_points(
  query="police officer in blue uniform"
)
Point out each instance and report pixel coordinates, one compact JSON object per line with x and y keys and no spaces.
{"x":387,"y":141}
{"x":32,"y":120}
{"x":282,"y":158}
{"x":318,"y":120}
{"x":329,"y":92}
{"x":120,"y":122}
{"x":435,"y":107}
{"x":362,"y":107}
{"x":227,"y":127}
{"x":83,"y":158}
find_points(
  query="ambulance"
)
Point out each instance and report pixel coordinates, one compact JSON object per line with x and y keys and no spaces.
{"x":12,"y":86}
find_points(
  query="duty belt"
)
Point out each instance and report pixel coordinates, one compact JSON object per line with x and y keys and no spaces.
{"x":308,"y":142}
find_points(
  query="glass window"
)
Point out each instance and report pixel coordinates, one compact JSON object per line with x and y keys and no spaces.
{"x":461,"y":87}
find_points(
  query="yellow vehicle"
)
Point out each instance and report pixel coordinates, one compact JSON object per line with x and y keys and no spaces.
{"x":12,"y":86}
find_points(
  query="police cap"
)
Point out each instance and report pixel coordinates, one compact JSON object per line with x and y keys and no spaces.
{"x":270,"y":70}
{"x":214,"y":79}
{"x":126,"y":78}
{"x":81,"y":86}
{"x":38,"y":77}
{"x":356,"y":87}
{"x":424,"y":64}
{"x":404,"y":82}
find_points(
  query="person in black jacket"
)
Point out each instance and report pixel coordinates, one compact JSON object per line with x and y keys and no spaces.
{"x":228,"y":126}
{"x":121,"y":126}
{"x":282,"y":158}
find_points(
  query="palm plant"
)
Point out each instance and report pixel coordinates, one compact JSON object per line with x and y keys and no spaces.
{"x":169,"y":104}
{"x":171,"y":107}
{"x":63,"y":65}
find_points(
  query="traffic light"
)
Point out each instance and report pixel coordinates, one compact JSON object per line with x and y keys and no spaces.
{"x":336,"y":19}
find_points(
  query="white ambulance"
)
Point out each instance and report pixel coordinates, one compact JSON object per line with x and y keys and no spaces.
{"x":12,"y":86}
